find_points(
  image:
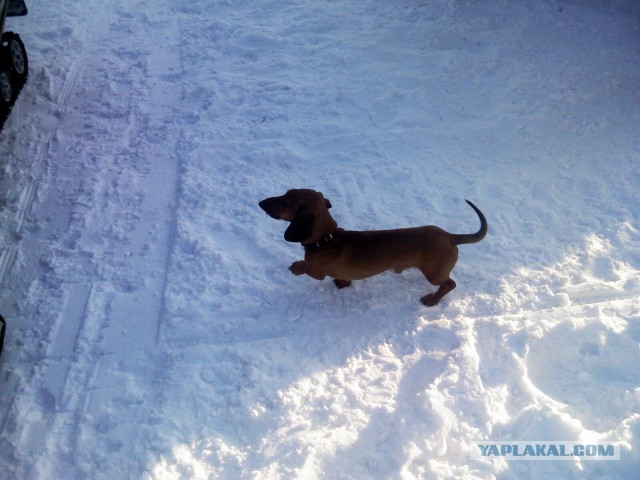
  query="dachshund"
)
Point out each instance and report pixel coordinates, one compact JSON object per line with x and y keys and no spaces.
{"x":346,"y":255}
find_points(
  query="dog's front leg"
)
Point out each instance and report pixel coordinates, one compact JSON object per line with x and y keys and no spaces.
{"x":301,"y":267}
{"x":298,"y":268}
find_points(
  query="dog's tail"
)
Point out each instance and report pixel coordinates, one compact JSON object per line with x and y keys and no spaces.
{"x":473,"y":237}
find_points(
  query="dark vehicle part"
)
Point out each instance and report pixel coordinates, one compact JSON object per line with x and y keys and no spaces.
{"x":3,"y":328}
{"x":14,"y":64}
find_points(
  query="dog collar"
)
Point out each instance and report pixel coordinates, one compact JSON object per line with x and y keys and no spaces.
{"x":323,"y":242}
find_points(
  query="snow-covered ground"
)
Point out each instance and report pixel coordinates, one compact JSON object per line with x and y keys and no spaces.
{"x":154,"y":329}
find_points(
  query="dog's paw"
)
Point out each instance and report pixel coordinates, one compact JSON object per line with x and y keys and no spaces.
{"x":342,"y":283}
{"x":298,"y":268}
{"x":429,"y":300}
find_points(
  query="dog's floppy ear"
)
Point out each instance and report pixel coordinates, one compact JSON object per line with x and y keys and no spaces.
{"x":301,"y":226}
{"x":327,"y":203}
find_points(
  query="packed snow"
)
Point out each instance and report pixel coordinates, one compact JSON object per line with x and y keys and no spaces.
{"x":154,"y":331}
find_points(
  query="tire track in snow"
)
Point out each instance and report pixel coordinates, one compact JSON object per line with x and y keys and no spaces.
{"x":72,"y":77}
{"x":130,"y":228}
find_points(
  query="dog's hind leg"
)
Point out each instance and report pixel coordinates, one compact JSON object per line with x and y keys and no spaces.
{"x":442,"y":281}
{"x":433,"y":298}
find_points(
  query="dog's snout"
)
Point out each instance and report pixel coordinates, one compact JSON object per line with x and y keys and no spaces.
{"x":269,"y":205}
{"x":266,"y":204}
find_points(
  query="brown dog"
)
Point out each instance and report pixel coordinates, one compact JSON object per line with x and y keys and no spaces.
{"x":351,"y":255}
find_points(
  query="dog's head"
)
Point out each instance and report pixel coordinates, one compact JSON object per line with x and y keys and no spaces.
{"x":308,"y":212}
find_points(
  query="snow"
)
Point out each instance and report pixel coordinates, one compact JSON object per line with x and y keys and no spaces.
{"x":154,"y":331}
